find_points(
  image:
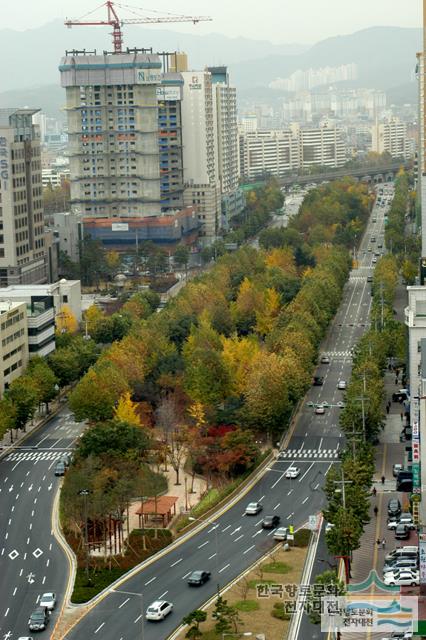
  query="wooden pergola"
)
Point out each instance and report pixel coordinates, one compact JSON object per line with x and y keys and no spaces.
{"x":162,"y":508}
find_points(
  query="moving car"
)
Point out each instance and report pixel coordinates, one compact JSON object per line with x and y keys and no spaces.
{"x":341,"y":385}
{"x":292,"y":472}
{"x":369,"y":278}
{"x":60,"y":468}
{"x":48,"y":600}
{"x":319,"y":410}
{"x":397,"y":467}
{"x":403,"y":577}
{"x":39,"y":619}
{"x":318,"y":381}
{"x":402,"y":532}
{"x":253,"y":508}
{"x":374,"y":260}
{"x":281,"y":533}
{"x":270,"y":522}
{"x":325,"y":360}
{"x":158,"y":610}
{"x":198,"y":578}
{"x":394,"y":507}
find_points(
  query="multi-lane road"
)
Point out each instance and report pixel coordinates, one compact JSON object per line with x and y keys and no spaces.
{"x":32,"y":562}
{"x":233,"y":541}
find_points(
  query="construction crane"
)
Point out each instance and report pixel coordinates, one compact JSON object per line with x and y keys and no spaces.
{"x":116,"y":23}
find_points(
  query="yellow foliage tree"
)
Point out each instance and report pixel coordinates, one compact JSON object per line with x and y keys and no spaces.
{"x":92,"y":317}
{"x":238,"y":355}
{"x":267,"y":316}
{"x":282,"y":259}
{"x":126,"y":410}
{"x":197,"y":412}
{"x":113,"y":260}
{"x":66,"y":322}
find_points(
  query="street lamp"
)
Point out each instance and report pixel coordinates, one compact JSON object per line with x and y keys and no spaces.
{"x":85,"y":493}
{"x":216,"y":526}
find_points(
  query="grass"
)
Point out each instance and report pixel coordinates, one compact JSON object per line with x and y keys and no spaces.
{"x":247,"y":605}
{"x":277,"y":567}
{"x":103,"y":571}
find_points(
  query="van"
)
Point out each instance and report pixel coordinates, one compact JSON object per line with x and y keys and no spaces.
{"x":402,"y":552}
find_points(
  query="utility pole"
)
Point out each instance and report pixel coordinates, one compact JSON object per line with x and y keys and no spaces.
{"x":382,"y":307}
{"x":362,"y":400}
{"x":354,"y":433}
{"x":344,"y":482}
{"x":85,"y":493}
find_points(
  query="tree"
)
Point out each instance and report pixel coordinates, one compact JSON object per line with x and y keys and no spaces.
{"x":44,"y":379}
{"x":266,"y":396}
{"x":25,"y":396}
{"x":125,"y":410}
{"x":194,"y":619}
{"x":95,"y":395}
{"x":181,"y":256}
{"x":176,"y":449}
{"x":114,"y":437}
{"x":227,"y":617}
{"x":7,"y":417}
{"x":65,"y":365}
{"x":331,"y":584}
{"x":66,"y":321}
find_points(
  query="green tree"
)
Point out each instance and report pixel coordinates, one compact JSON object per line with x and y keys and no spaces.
{"x":44,"y":378}
{"x":114,"y":438}
{"x":25,"y":396}
{"x":181,"y":256}
{"x":227,"y":617}
{"x":7,"y":417}
{"x":194,"y":619}
{"x":331,"y":584}
{"x":97,"y":393}
{"x":65,"y":365}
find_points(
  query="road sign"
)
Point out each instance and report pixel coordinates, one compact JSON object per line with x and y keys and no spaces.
{"x":313,"y":521}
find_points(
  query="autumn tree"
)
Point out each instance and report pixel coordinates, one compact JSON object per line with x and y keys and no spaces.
{"x":266,"y":396}
{"x":126,"y":410}
{"x":66,"y":321}
{"x":96,"y":394}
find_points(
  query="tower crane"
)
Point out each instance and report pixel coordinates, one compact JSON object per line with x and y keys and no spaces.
{"x":116,"y":23}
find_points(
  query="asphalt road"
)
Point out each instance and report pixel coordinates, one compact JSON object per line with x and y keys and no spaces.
{"x":31,"y":561}
{"x":227,"y":547}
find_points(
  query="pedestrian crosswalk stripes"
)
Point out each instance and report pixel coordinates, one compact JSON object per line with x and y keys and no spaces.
{"x":338,"y":354}
{"x":34,"y":455}
{"x":308,"y":454}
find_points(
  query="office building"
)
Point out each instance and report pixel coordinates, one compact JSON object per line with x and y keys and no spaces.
{"x":22,"y":247}
{"x":200,"y":151}
{"x":112,"y":113}
{"x":169,"y":96}
{"x":321,"y":146}
{"x":13,"y":342}
{"x":391,"y":137}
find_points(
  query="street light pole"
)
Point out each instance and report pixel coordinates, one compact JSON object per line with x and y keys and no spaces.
{"x":85,"y":493}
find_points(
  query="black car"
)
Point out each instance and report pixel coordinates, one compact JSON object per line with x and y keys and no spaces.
{"x":198,"y":578}
{"x":60,"y":468}
{"x":394,"y":507}
{"x":402,"y":532}
{"x":270,"y":522}
{"x":318,"y":381}
{"x":39,"y":619}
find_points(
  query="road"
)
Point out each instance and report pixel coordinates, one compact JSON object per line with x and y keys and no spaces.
{"x":229,"y":545}
{"x":31,"y":561}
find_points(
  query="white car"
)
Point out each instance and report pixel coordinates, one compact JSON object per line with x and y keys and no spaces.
{"x":341,"y":385}
{"x":253,"y":508}
{"x":48,"y":600}
{"x":281,"y":533}
{"x":319,"y":410}
{"x":400,"y":578}
{"x":158,"y":610}
{"x":292,"y":472}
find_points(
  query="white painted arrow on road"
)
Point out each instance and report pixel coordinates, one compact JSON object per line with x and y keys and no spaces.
{"x":235,"y":531}
{"x":30,"y":488}
{"x":11,"y":488}
{"x":49,"y":487}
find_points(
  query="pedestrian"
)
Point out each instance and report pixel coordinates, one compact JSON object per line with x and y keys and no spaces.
{"x":378,"y":542}
{"x":376,"y":510}
{"x":374,"y":491}
{"x":384,"y":543}
{"x":387,"y":409}
{"x":383,"y":479}
{"x":402,"y":416}
{"x":396,"y":381}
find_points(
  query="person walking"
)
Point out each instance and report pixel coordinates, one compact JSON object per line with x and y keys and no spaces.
{"x":378,"y":542}
{"x":387,"y":409}
{"x":374,"y":491}
{"x":383,"y":479}
{"x":384,"y":543}
{"x":376,"y":511}
{"x":402,"y":416}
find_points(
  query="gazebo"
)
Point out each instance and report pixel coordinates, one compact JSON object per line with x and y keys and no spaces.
{"x":162,"y":508}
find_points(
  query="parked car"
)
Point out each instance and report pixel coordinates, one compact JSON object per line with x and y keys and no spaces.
{"x":292,"y":472}
{"x":253,"y":508}
{"x":281,"y":533}
{"x":400,"y":578}
{"x":402,"y":532}
{"x":401,"y":563}
{"x":407,"y":551}
{"x":270,"y":522}
{"x":48,"y":600}
{"x":39,"y":619}
{"x":197,"y":578}
{"x":397,"y":467}
{"x":158,"y":610}
{"x":394,"y":507}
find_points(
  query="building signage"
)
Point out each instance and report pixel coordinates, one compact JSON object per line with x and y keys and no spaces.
{"x":195,"y":83}
{"x":168,"y":93}
{"x":422,"y":557}
{"x":119,"y":226}
{"x":4,"y":163}
{"x":146,"y":76}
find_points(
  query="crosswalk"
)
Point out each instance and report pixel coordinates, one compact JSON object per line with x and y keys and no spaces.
{"x":338,"y":354}
{"x":309,"y":454}
{"x":34,"y":455}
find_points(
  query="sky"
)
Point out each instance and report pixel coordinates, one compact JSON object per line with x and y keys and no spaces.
{"x":280,"y":21}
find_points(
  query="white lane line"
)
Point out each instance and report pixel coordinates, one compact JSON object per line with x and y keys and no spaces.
{"x":138,"y":618}
{"x":204,"y":544}
{"x":14,"y":467}
{"x":162,"y":595}
{"x":316,"y":486}
{"x":7,"y":611}
{"x":290,"y":516}
{"x":249,"y":549}
{"x":258,"y":522}
{"x":186,"y":575}
{"x":276,"y":506}
{"x":260,"y":499}
{"x":277,"y":481}
{"x":210,"y":557}
{"x":319,"y":447}
{"x":226,"y":528}
{"x":177,"y":562}
{"x":223,"y":568}
{"x":307,"y":471}
{"x":239,"y":537}
{"x":44,"y":580}
{"x":149,"y":581}
{"x":305,"y":500}
{"x":124,"y":602}
{"x":257,"y":533}
{"x":291,"y":491}
{"x":99,"y":628}
{"x":15,"y":590}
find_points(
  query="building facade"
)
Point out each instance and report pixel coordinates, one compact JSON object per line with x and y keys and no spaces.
{"x":112,"y":113}
{"x":22,"y":244}
{"x":13,"y":342}
{"x":391,"y":137}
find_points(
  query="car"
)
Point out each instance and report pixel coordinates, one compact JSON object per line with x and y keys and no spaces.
{"x":400,"y":578}
{"x":319,"y":410}
{"x":397,"y":467}
{"x":341,"y":385}
{"x":197,"y":578}
{"x":373,"y":239}
{"x":325,"y":360}
{"x":369,"y":278}
{"x":48,"y":600}
{"x":402,"y":532}
{"x":329,"y":526}
{"x":39,"y":619}
{"x":158,"y":610}
{"x":292,"y":472}
{"x":392,"y":524}
{"x":374,"y":260}
{"x":401,"y":563}
{"x":318,"y":381}
{"x":66,"y":458}
{"x":25,"y":638}
{"x":374,"y":219}
{"x":407,"y":551}
{"x":281,"y":533}
{"x":394,"y":507}
{"x":60,"y":468}
{"x":407,"y":518}
{"x":253,"y":508}
{"x":270,"y":522}
{"x":380,"y":246}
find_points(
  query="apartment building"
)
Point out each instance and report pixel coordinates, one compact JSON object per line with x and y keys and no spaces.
{"x":13,"y":342}
{"x":391,"y":137}
{"x":169,"y":96}
{"x":22,"y":244}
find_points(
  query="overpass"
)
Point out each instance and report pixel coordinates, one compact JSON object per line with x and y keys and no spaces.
{"x":365,"y":174}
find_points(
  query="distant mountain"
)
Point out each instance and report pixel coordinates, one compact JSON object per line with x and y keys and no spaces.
{"x":31,"y":57}
{"x":386,"y":57}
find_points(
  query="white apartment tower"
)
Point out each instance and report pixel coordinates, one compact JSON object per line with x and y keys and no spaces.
{"x":391,"y":137}
{"x":22,"y":243}
{"x":200,"y":151}
{"x":112,"y":112}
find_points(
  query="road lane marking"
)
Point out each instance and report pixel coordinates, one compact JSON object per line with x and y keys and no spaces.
{"x":204,"y":544}
{"x":210,"y":557}
{"x":277,"y":481}
{"x":276,"y":506}
{"x":257,"y":533}
{"x":290,"y":516}
{"x":162,"y":595}
{"x":249,"y":549}
{"x":124,"y":602}
{"x":307,"y":471}
{"x":226,"y":528}
{"x":138,"y":618}
{"x":239,"y":537}
{"x":305,"y":500}
{"x":186,"y":575}
{"x":99,"y":628}
{"x":149,"y":581}
{"x":223,"y":568}
{"x":177,"y":562}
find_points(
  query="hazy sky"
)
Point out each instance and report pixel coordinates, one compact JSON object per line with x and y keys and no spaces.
{"x":304,"y":21}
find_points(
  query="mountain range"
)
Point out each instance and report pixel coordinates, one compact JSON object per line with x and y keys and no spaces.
{"x":386,"y":58}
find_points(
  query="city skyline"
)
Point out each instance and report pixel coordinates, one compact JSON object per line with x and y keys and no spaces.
{"x":304,"y":22}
